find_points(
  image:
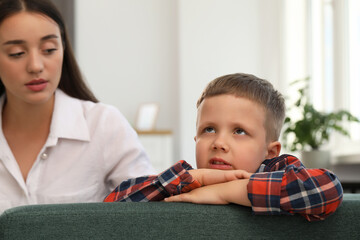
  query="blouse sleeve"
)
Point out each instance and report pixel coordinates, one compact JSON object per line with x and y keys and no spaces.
{"x":123,"y":155}
{"x":284,"y":186}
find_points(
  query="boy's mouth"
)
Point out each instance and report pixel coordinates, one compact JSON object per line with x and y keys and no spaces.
{"x":218,"y":163}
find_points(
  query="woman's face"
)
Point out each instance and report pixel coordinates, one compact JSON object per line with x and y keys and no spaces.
{"x":31,"y":57}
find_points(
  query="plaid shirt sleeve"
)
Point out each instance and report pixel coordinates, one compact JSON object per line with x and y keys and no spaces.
{"x":172,"y":181}
{"x":283,"y":185}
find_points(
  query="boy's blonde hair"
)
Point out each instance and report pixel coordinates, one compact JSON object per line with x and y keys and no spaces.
{"x":255,"y":89}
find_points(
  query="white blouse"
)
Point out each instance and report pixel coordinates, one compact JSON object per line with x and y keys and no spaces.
{"x":91,"y":148}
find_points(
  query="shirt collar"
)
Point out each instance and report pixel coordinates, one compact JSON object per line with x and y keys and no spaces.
{"x":68,"y":120}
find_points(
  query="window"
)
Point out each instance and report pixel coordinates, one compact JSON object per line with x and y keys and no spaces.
{"x":322,"y":40}
{"x":321,"y":55}
{"x":353,"y":19}
{"x":334,"y":56}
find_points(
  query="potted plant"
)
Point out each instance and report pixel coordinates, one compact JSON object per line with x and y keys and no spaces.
{"x":313,"y":129}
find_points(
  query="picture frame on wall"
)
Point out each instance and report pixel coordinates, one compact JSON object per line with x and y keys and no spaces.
{"x":147,"y":116}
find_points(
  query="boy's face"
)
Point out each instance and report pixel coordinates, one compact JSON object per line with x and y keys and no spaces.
{"x":231,"y":134}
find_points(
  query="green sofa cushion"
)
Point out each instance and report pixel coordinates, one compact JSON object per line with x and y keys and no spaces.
{"x":160,"y":220}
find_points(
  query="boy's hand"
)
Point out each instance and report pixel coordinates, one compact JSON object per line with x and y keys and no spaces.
{"x":213,"y":176}
{"x":222,"y":193}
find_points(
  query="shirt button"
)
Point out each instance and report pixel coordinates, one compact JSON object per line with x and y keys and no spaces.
{"x":44,"y":156}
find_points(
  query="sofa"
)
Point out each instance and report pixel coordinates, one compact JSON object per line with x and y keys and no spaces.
{"x":160,"y":220}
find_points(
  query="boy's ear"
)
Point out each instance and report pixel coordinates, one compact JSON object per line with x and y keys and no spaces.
{"x":273,"y":149}
{"x":195,"y":138}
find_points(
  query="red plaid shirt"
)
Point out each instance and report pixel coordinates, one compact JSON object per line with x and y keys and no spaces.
{"x":281,"y":185}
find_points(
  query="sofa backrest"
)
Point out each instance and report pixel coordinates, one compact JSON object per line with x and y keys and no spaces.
{"x":160,"y":220}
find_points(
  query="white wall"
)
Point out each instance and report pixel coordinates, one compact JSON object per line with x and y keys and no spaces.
{"x":127,"y":49}
{"x":134,"y":51}
{"x":222,"y":37}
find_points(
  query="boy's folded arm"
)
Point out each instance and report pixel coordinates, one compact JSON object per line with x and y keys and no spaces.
{"x":234,"y":191}
{"x":180,"y":178}
{"x":172,"y":181}
{"x":291,"y":188}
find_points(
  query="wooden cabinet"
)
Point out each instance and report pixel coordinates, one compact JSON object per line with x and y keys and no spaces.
{"x":159,"y":147}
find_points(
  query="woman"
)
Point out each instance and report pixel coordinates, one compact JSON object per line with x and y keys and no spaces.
{"x":58,"y":144}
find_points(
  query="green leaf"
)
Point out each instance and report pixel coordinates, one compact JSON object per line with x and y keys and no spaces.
{"x":314,"y":127}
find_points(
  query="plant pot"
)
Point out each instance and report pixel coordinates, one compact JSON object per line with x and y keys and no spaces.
{"x":316,"y":159}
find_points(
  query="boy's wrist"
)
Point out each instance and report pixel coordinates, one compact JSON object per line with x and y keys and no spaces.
{"x":236,"y":192}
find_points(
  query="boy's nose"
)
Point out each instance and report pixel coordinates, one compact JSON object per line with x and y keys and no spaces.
{"x":35,"y":63}
{"x":219,"y":144}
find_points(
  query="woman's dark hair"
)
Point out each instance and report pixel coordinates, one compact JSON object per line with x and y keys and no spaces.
{"x":71,"y":81}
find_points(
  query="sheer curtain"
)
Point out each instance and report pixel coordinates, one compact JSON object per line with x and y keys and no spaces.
{"x":322,"y":41}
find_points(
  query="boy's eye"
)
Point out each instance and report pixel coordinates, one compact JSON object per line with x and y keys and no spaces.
{"x":209,"y":130}
{"x":239,"y":131}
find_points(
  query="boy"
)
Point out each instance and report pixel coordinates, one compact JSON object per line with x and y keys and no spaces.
{"x":238,"y":125}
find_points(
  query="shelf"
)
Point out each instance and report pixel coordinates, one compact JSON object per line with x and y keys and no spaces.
{"x":154,"y":132}
{"x":158,"y":145}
